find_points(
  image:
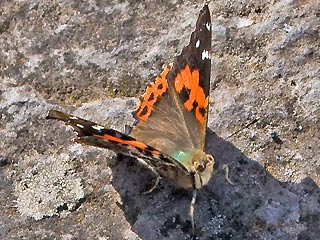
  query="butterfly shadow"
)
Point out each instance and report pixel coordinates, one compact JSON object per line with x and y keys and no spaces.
{"x":257,"y":204}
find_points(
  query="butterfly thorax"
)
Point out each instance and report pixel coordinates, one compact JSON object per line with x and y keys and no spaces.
{"x":197,"y":164}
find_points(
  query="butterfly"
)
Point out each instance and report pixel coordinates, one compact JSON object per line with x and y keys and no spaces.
{"x":170,"y":123}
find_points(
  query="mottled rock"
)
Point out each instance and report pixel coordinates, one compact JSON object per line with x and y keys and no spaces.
{"x":90,"y":58}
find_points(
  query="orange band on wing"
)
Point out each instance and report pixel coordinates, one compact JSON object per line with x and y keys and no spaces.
{"x":190,"y":80}
{"x":153,"y":92}
{"x":133,"y":143}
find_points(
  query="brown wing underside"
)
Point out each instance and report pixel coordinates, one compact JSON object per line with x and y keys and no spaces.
{"x":91,"y":133}
{"x":173,"y":111}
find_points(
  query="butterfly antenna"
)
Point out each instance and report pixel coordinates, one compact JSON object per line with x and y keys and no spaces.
{"x":246,"y":126}
{"x":192,"y":205}
{"x":226,"y":167}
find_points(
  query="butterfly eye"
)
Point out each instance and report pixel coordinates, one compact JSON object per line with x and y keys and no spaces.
{"x":200,"y":166}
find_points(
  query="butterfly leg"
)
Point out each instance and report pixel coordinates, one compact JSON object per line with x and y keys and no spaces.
{"x":226,"y":167}
{"x":127,"y":129}
{"x":191,"y":211}
{"x":156,"y":182}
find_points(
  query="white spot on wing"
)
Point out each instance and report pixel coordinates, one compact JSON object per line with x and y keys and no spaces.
{"x":205,"y":55}
{"x":74,"y":130}
{"x":208,"y":26}
{"x":79,"y":125}
{"x":97,"y":127}
{"x":197,"y":43}
{"x":73,"y":118}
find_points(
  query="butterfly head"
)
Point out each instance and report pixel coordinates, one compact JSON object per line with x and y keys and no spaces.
{"x":203,"y":167}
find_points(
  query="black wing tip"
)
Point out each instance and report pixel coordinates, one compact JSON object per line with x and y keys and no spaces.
{"x":55,"y":114}
{"x":205,"y":10}
{"x":204,"y":19}
{"x":205,"y":7}
{"x":204,"y":15}
{"x":81,"y":126}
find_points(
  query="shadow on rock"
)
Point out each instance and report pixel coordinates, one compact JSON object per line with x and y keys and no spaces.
{"x":258,"y":206}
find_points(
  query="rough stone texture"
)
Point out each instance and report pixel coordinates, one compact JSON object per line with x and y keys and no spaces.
{"x":46,"y":187}
{"x":90,"y":57}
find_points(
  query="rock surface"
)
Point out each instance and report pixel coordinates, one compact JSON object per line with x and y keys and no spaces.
{"x":94,"y":59}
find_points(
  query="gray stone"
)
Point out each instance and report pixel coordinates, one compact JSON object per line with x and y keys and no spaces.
{"x":94,"y":59}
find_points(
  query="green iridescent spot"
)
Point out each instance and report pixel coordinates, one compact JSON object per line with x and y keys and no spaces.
{"x":181,"y":156}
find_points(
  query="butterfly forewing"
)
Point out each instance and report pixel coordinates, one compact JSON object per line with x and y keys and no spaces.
{"x":173,"y":112}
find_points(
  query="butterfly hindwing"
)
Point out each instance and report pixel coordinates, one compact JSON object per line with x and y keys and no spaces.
{"x":173,"y":111}
{"x":91,"y":133}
